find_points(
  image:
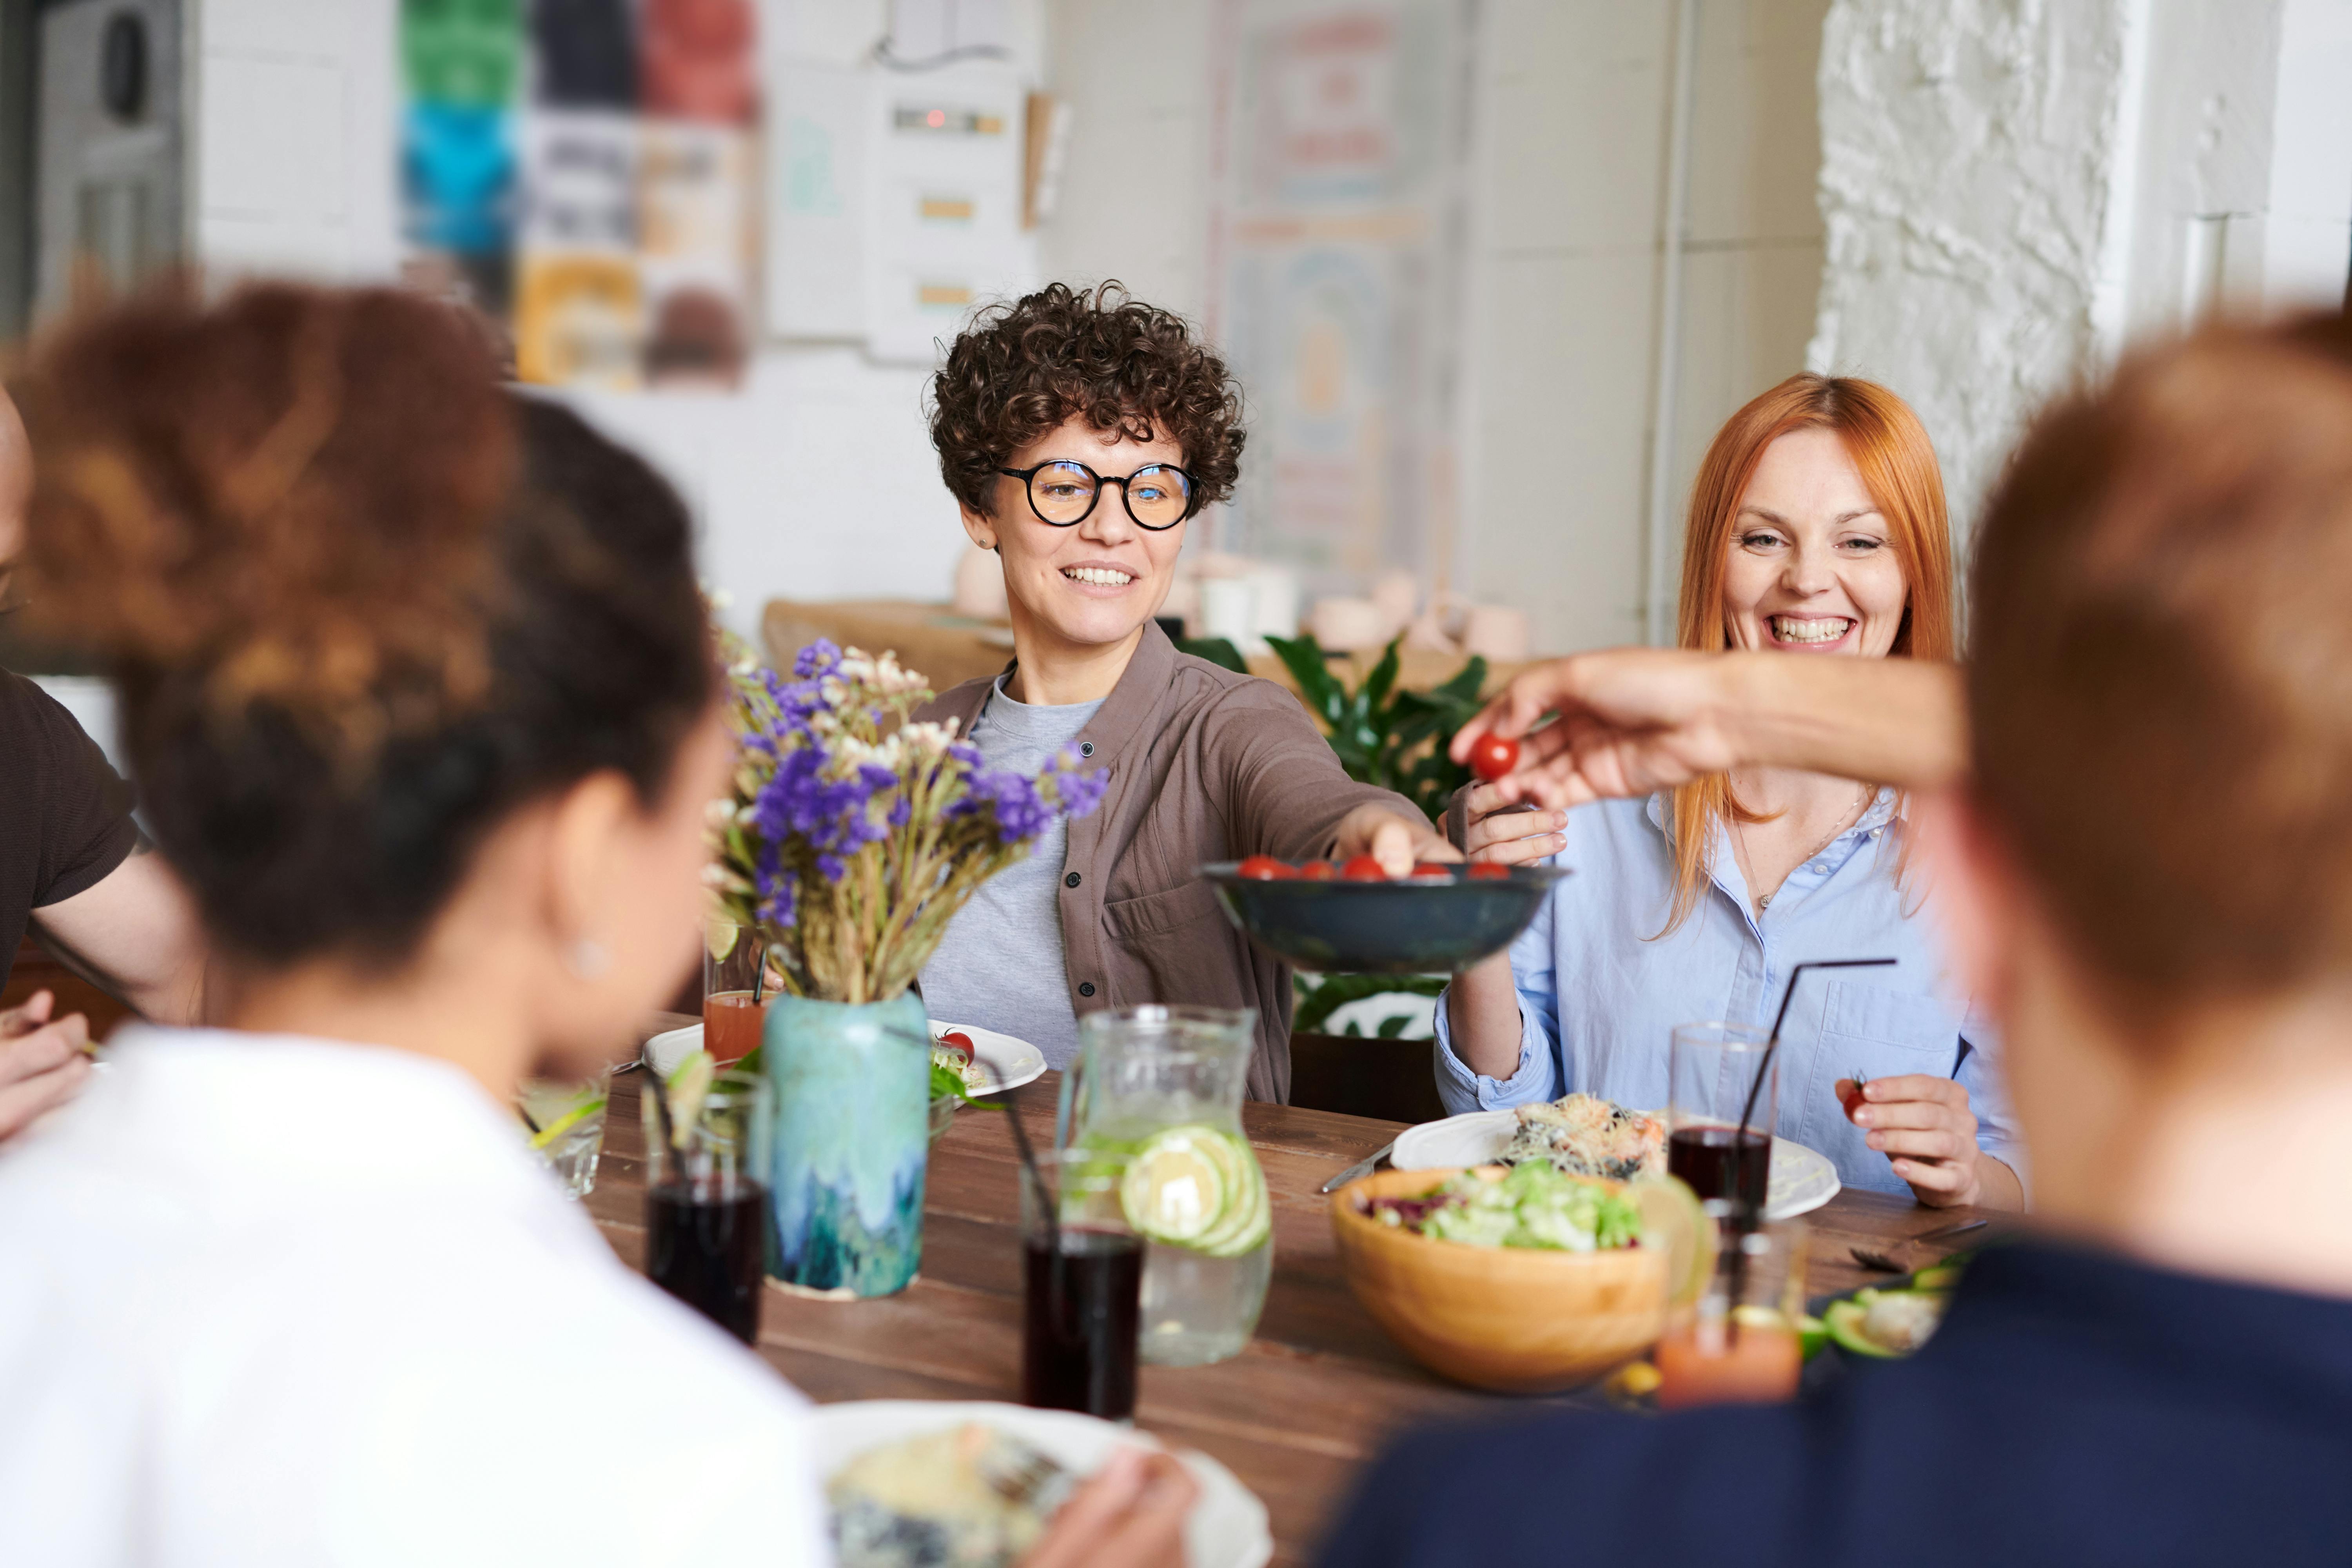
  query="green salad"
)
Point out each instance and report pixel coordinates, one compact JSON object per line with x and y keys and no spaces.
{"x":1533,"y":1205}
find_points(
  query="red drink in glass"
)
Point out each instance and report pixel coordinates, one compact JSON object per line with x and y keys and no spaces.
{"x":731,"y":1023}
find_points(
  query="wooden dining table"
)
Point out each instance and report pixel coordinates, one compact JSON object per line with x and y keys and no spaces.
{"x":1295,"y":1415}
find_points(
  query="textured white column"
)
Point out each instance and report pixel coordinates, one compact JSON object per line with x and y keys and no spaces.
{"x":2013,"y":189}
{"x":1971,"y":173}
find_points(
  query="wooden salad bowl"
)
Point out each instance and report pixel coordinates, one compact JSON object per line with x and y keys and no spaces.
{"x":1514,"y":1320}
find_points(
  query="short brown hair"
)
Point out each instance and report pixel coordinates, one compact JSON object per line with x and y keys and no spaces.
{"x":2160,"y":686}
{"x":1023,"y":369}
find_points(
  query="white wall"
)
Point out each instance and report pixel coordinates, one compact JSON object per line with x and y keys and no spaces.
{"x":818,"y":481}
{"x":2012,"y":192}
{"x":1560,"y":324}
{"x":296,"y":172}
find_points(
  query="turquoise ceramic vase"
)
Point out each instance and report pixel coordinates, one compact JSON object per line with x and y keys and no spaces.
{"x":853,"y":1127}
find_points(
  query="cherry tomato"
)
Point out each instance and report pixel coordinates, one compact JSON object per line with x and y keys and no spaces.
{"x":957,"y":1043}
{"x":1491,"y":757}
{"x":1318,"y":872}
{"x":1487,"y":871}
{"x":1364,"y":868}
{"x":1265,"y":869}
{"x":1431,"y":869}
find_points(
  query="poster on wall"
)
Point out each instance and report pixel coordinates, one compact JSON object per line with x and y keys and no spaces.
{"x":583,"y":171}
{"x":461,"y":67}
{"x":1338,"y":254}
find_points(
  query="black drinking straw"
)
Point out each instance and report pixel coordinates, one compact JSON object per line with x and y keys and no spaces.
{"x":1745,"y":1216}
{"x":1029,"y":1161}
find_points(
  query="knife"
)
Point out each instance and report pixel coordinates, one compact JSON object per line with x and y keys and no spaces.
{"x":1363,"y":1167}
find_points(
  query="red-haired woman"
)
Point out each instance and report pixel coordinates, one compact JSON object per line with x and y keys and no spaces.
{"x":1817,"y":528}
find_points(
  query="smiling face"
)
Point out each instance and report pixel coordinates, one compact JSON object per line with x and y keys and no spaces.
{"x":1088,"y":586}
{"x":1809,"y":566}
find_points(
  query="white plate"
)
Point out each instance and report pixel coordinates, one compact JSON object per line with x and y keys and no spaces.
{"x":1016,"y":1061}
{"x":1228,"y":1527}
{"x":1802,"y":1179}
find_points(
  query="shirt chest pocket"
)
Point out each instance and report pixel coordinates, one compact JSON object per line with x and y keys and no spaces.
{"x":1877,"y":1033}
{"x":1922,"y":1034}
{"x":1159,"y":914}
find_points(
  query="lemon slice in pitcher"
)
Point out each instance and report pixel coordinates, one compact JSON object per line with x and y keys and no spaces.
{"x":1176,"y":1187}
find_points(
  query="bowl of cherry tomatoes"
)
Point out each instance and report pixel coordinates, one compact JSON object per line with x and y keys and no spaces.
{"x":1350,"y":916}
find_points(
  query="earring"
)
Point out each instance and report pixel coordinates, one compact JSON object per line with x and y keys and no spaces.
{"x":588,"y":959}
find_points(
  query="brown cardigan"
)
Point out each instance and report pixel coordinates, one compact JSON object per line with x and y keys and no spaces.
{"x":1205,"y":765}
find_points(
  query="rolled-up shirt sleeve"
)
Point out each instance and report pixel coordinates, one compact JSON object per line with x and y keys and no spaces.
{"x":1982,"y":1073}
{"x":1537,"y":1078}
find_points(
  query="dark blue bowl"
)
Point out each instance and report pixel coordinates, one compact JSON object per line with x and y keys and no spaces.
{"x":1424,"y":925}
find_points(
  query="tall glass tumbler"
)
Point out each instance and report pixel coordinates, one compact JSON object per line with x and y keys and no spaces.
{"x":565,"y":1118}
{"x":1723,"y":1102}
{"x":1082,"y":1288}
{"x":734,"y":995}
{"x":707,"y":1162}
{"x":1739,"y":1343}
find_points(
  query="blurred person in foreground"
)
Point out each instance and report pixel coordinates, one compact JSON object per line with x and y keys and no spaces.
{"x":419,"y":681}
{"x":2145,"y":857}
{"x":1080,"y":432}
{"x":1817,"y":528}
{"x":70,"y":870}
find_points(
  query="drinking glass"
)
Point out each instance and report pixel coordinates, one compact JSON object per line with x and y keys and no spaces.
{"x":1082,"y":1286}
{"x":1723,"y":1102}
{"x":706,"y":1197}
{"x":566,"y":1121}
{"x":1738,"y":1344}
{"x":734,"y":999}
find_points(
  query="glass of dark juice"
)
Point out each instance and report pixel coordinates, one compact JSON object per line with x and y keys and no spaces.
{"x":1082,"y":1284}
{"x":1723,"y":1099}
{"x":707,"y":1160}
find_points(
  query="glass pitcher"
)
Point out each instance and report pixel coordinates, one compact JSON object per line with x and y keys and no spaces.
{"x":1157,"y":1092}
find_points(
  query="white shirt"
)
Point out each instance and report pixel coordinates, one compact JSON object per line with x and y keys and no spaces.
{"x":270,"y":1300}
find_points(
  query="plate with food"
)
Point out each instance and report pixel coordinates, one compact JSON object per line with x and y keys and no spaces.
{"x":1585,"y":1135}
{"x":1351,"y":917}
{"x":974,"y":1484}
{"x":1004,"y":1061}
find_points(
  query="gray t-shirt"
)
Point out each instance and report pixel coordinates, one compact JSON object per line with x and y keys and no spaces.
{"x":1000,"y":965}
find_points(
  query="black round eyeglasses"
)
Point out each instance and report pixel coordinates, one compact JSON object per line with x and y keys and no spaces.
{"x":1064,"y":493}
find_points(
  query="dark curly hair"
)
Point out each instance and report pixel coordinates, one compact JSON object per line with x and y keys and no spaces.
{"x":1025,"y":368}
{"x":362,"y":603}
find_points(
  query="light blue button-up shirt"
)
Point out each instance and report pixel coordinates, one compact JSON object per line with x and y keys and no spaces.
{"x":1599,"y":1000}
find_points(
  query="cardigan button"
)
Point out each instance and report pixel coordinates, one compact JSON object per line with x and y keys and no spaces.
{"x":1086,"y":748}
{"x":1086,"y":988}
{"x":1071,"y":881}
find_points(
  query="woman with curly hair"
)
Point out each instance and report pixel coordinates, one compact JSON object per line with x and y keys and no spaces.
{"x":1080,"y":431}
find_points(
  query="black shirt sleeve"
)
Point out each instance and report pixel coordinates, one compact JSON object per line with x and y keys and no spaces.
{"x":64,"y":815}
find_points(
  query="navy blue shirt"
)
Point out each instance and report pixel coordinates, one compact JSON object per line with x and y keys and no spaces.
{"x":2075,"y":1409}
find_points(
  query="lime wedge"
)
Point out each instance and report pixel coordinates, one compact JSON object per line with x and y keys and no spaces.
{"x":718,"y":934}
{"x":1176,"y":1187}
{"x":593,"y":1106}
{"x":1672,"y":1219}
{"x":687,"y":1083}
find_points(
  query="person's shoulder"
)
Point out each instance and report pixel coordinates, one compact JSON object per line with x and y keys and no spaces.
{"x":962,"y":700}
{"x":1645,"y":1481}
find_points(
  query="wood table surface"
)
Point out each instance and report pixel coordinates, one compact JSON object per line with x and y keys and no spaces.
{"x":1293,"y":1416}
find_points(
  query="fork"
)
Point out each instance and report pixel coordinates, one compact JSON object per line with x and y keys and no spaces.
{"x":1020,"y":1474}
{"x":1870,"y":1259}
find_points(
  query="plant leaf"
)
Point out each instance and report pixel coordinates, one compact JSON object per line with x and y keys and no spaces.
{"x":1303,"y":657}
{"x":1217,"y":651}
